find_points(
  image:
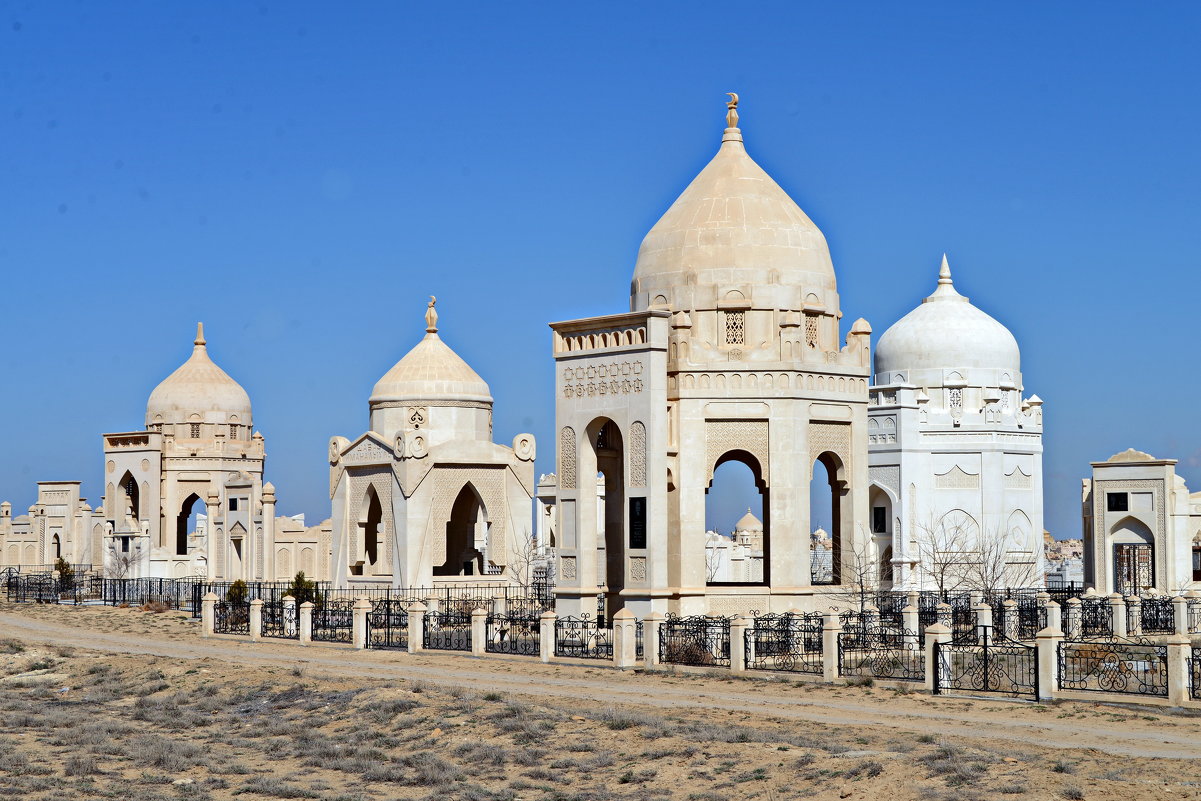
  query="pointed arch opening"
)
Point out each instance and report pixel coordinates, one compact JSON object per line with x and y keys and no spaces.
{"x":370,"y":522}
{"x":132,"y":497}
{"x":56,"y":544}
{"x":882,"y":522}
{"x":466,"y":535}
{"x":608,"y":447}
{"x":827,"y":486}
{"x":193,"y":516}
{"x":737,"y":530}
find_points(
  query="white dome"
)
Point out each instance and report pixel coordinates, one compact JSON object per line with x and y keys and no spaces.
{"x":431,"y":371}
{"x":198,"y":386}
{"x":732,"y":228}
{"x":946,"y":332}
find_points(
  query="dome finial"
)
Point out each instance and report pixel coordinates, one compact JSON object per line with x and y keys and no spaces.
{"x":199,"y":342}
{"x":732,"y":110}
{"x":944,"y":272}
{"x":431,"y":317}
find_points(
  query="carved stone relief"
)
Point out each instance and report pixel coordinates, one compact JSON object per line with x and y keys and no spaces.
{"x":606,"y":378}
{"x":567,"y":458}
{"x":448,"y":482}
{"x":833,"y":438}
{"x":957,"y":478}
{"x":637,"y":454}
{"x":887,"y":476}
{"x":723,"y":436}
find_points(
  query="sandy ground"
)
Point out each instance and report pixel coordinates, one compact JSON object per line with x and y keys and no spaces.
{"x":105,"y":703}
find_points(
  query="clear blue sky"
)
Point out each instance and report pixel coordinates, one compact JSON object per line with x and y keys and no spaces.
{"x":301,"y":176}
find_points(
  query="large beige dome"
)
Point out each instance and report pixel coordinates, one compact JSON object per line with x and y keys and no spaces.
{"x":733,"y":228}
{"x":198,"y":387}
{"x":946,"y":332}
{"x":431,"y":371}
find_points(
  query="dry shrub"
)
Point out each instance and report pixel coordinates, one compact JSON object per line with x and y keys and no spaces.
{"x":81,"y":765}
{"x":157,"y":607}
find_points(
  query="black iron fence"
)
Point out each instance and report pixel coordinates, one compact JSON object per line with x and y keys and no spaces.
{"x":447,"y":631}
{"x":989,"y":662}
{"x":583,"y":637}
{"x":1156,"y":616}
{"x":1096,"y":617}
{"x":1114,"y":665}
{"x":699,"y":640}
{"x":1194,"y":676}
{"x":787,"y":642}
{"x":280,"y":620}
{"x":333,"y":621}
{"x":507,"y":634}
{"x":388,"y":624}
{"x":231,"y":618}
{"x":884,"y":652}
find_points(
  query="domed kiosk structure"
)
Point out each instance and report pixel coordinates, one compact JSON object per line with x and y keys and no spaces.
{"x":425,"y":497}
{"x":730,"y":353}
{"x":955,"y":451}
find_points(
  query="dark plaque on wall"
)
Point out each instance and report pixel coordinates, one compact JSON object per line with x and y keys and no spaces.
{"x":637,"y":523}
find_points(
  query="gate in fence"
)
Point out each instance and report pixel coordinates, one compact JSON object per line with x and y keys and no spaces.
{"x":333,"y":621}
{"x":583,"y":637}
{"x":447,"y":631}
{"x":987,"y":663}
{"x":512,"y":635}
{"x":388,"y":624}
{"x":785,"y":642}
{"x":1114,"y":665}
{"x":882,"y":653}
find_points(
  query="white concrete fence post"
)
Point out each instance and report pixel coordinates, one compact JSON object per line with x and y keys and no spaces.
{"x":1073,"y":621}
{"x":289,"y":607}
{"x":479,"y":632}
{"x":500,"y":606}
{"x":1054,"y":616}
{"x":208,"y":614}
{"x":984,"y":619}
{"x":1048,"y":641}
{"x":625,"y":639}
{"x":416,"y":634}
{"x":1134,"y":616}
{"x":831,"y":628}
{"x":1180,"y":615}
{"x":650,"y":639}
{"x":256,"y":619}
{"x":1180,"y":654}
{"x":910,"y":620}
{"x":546,"y":635}
{"x":1009,"y":612}
{"x":306,"y":622}
{"x":738,"y":627}
{"x":1117,"y":614}
{"x":358,"y":636}
{"x":935,"y":635}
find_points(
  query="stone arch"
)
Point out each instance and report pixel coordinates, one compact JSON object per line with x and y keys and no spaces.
{"x":130,"y":506}
{"x":371,"y":532}
{"x":882,"y":504}
{"x":608,"y":446}
{"x":828,"y":484}
{"x":466,"y":535}
{"x":184,"y":520}
{"x":1133,"y":547}
{"x":754,"y":554}
{"x":56,"y":547}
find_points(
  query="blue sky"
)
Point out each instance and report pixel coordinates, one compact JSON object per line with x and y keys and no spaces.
{"x":301,"y":176}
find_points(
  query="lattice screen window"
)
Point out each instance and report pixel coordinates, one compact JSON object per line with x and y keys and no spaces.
{"x":811,"y":330}
{"x":195,"y":427}
{"x":956,"y":401}
{"x":735,"y":328}
{"x":233,"y":431}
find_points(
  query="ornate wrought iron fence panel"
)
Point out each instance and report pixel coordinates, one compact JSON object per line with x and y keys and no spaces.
{"x":791,"y":643}
{"x":882,"y":653}
{"x":1194,"y":676}
{"x":388,"y":624}
{"x":990,"y":663}
{"x":231,"y":618}
{"x":1158,"y":616}
{"x":1130,"y":665}
{"x":1032,"y":618}
{"x":447,"y":632}
{"x":699,"y":640}
{"x":507,"y":634}
{"x":584,"y":638}
{"x":963,"y":624}
{"x":280,"y":620}
{"x":1096,"y":618}
{"x":333,"y":621}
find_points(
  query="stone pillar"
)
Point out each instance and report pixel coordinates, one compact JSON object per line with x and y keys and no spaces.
{"x":358,"y":636}
{"x":479,"y":632}
{"x":975,"y":598}
{"x":1073,"y":621}
{"x":625,"y":640}
{"x":935,"y":635}
{"x":289,"y":607}
{"x":1117,"y":614}
{"x":1054,"y":616}
{"x":909,"y":619}
{"x":1180,"y":615}
{"x":1048,"y":661}
{"x":943,"y":616}
{"x":1180,"y":655}
{"x":208,"y":614}
{"x":831,"y":628}
{"x":416,"y":634}
{"x":433,"y":605}
{"x":913,"y":598}
{"x":650,"y":639}
{"x":983,"y":619}
{"x":738,"y":627}
{"x":546,"y":636}
{"x":1009,"y":622}
{"x":306,"y":622}
{"x":256,"y":619}
{"x":1134,"y":616}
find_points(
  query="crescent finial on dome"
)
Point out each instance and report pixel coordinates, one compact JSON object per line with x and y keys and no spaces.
{"x":431,"y":316}
{"x":732,"y":110}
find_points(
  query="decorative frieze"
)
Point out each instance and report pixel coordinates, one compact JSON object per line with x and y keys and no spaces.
{"x":567,"y":458}
{"x":723,"y":436}
{"x":637,"y":450}
{"x":957,"y":478}
{"x":605,"y":378}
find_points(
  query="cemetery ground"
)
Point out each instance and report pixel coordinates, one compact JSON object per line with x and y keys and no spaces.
{"x":100,"y":702}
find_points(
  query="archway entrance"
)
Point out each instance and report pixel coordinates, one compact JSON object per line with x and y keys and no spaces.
{"x":608,"y":448}
{"x":466,"y":536}
{"x":882,"y":532}
{"x":186,"y":522}
{"x":737,"y":532}
{"x":371,"y":518}
{"x":1133,"y":557}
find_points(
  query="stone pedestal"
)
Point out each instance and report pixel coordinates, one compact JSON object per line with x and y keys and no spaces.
{"x":416,"y":638}
{"x":306,"y":622}
{"x":256,"y":619}
{"x":546,"y":636}
{"x":479,"y":632}
{"x":208,"y":614}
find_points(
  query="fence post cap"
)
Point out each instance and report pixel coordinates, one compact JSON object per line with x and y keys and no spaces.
{"x":1052,"y":604}
{"x":655,"y":617}
{"x":479,"y":611}
{"x":417,"y":607}
{"x":307,"y":605}
{"x":831,"y":622}
{"x":910,"y":609}
{"x":1043,"y":595}
{"x":256,"y":601}
{"x":624,"y":614}
{"x":943,"y":605}
{"x":209,"y":596}
{"x":1134,"y":599}
{"x":937,"y":628}
{"x":1009,"y":602}
{"x":1048,"y":633}
{"x":1073,"y":602}
{"x":1115,"y":597}
{"x":362,"y":603}
{"x":1177,"y":639}
{"x":1091,"y":591}
{"x":550,"y":614}
{"x":288,"y":598}
{"x":795,"y":612}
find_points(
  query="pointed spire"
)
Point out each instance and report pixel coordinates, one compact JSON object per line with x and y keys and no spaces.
{"x":431,"y":317}
{"x":199,"y":342}
{"x":946,"y":287}
{"x":944,"y":272}
{"x":732,"y":133}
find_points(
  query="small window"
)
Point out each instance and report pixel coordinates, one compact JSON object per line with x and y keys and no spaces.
{"x":735,"y":328}
{"x":1117,"y":502}
{"x":233,"y":504}
{"x":125,"y":545}
{"x":195,"y":428}
{"x":879,"y":520}
{"x":811,"y":330}
{"x":1197,"y":563}
{"x":233,"y":431}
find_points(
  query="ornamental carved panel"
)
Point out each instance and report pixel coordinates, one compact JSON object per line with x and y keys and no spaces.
{"x":603,"y":378}
{"x":637,"y":454}
{"x":723,"y":436}
{"x":887,"y":476}
{"x":1018,"y":480}
{"x":381,"y":479}
{"x":567,"y":567}
{"x":957,"y":478}
{"x":832,"y":438}
{"x":638,"y":568}
{"x":567,"y":458}
{"x":489,"y":483}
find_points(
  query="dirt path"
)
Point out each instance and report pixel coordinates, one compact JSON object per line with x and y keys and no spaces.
{"x":1064,"y":725}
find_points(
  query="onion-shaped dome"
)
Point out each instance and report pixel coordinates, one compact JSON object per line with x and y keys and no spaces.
{"x":946,"y":332}
{"x":198,"y":387}
{"x":733,"y":227}
{"x":748,"y":522}
{"x":431,"y":371}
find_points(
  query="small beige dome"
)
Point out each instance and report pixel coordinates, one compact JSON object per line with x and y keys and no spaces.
{"x":431,"y":371}
{"x":748,"y":522}
{"x":198,"y":387}
{"x":731,"y":229}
